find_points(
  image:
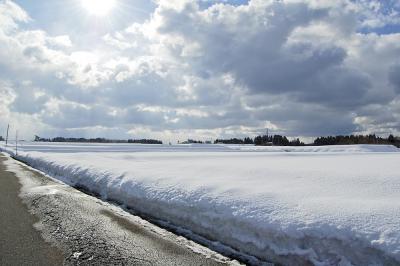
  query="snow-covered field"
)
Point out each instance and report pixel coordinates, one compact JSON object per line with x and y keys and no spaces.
{"x":325,"y":205}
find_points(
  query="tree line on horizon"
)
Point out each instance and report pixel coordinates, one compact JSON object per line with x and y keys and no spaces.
{"x":357,"y":139}
{"x":98,"y":140}
{"x":278,"y":140}
{"x":261,"y":140}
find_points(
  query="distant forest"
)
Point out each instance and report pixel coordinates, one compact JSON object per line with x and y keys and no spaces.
{"x":357,"y":139}
{"x":264,"y":140}
{"x":279,"y":140}
{"x":98,"y":140}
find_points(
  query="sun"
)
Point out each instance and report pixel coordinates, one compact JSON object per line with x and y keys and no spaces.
{"x":98,"y":7}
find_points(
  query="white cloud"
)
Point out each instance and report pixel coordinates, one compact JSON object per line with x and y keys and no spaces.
{"x":10,"y":15}
{"x":299,"y":67}
{"x":62,"y":40}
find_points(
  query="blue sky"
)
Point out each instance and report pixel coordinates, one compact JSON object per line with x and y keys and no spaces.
{"x":199,"y":69}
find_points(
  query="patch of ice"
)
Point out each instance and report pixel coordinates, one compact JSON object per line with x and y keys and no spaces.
{"x":76,"y":255}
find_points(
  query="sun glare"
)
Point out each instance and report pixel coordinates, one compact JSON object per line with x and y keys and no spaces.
{"x":98,"y":7}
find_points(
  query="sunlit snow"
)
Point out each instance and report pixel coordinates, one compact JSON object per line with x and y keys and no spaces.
{"x":324,"y":205}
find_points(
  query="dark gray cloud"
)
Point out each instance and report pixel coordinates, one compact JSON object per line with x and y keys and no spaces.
{"x":394,"y":77}
{"x":28,"y":100}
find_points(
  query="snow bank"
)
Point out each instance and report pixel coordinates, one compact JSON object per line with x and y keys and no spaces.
{"x":95,"y":147}
{"x":331,"y":148}
{"x":325,"y":205}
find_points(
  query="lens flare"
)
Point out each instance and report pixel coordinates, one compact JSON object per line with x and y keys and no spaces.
{"x":98,"y":7}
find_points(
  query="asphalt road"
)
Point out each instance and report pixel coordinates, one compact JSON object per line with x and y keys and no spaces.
{"x":45,"y":222}
{"x":20,"y":243}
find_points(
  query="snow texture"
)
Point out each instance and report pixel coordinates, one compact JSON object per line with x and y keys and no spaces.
{"x":331,"y":205}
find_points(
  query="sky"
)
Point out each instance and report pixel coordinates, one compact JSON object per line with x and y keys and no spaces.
{"x":200,"y":69}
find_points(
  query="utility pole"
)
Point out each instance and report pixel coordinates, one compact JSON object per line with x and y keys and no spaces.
{"x":16,"y":143}
{"x":8,"y":127}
